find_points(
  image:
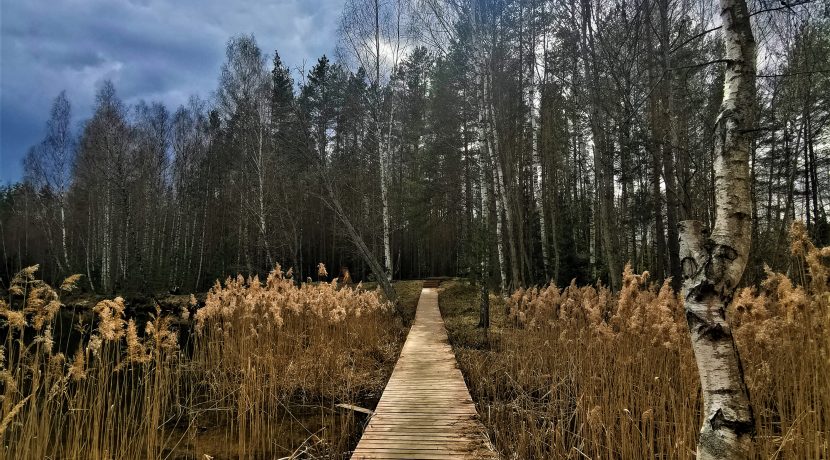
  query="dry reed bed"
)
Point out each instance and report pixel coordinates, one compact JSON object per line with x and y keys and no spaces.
{"x":582,"y":373}
{"x":258,"y":376}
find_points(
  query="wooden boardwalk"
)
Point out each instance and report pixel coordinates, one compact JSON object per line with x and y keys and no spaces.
{"x":425,"y":411}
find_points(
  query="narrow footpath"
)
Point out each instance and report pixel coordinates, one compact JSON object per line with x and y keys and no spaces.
{"x":425,"y":411}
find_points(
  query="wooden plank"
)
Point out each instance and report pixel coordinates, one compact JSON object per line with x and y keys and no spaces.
{"x":425,"y":411}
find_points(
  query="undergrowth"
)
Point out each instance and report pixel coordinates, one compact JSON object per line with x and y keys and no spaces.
{"x":581,"y":372}
{"x":257,"y":371}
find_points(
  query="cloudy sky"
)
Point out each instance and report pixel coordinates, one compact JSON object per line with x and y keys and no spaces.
{"x":151,"y":49}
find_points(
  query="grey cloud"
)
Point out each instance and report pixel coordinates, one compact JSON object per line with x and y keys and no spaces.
{"x":151,"y":49}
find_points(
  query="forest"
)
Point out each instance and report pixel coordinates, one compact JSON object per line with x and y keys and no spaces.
{"x":555,"y":163}
{"x":589,"y":137}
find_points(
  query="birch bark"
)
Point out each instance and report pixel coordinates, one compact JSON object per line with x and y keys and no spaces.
{"x":486,"y":131}
{"x":484,"y":306}
{"x":713,"y":264}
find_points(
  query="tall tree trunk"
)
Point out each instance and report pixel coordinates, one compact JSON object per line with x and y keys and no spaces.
{"x":384,"y":187}
{"x":66,"y":265}
{"x":668,"y":143}
{"x":487,"y":129}
{"x":106,"y":250}
{"x":605,"y":189}
{"x":366,"y":254}
{"x":538,"y":180}
{"x":260,"y":165}
{"x":603,"y":157}
{"x":654,"y":146}
{"x":88,"y":248}
{"x":659,"y":227}
{"x":484,"y":306}
{"x":713,"y":264}
{"x":497,"y":196}
{"x":501,"y":191}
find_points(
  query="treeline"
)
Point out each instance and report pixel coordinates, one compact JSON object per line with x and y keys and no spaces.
{"x":518,"y":141}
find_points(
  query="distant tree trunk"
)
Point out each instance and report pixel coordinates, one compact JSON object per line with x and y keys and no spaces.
{"x":554,"y":234}
{"x":713,"y":264}
{"x":202,"y":243}
{"x":659,"y":267}
{"x":384,"y":187}
{"x":484,"y":310}
{"x":87,"y":248}
{"x":498,"y":196}
{"x":365,"y":252}
{"x":603,"y":157}
{"x":538,"y":179}
{"x":106,"y":244}
{"x":487,"y":130}
{"x":669,"y":143}
{"x":484,"y":306}
{"x":63,"y":237}
{"x":659,"y":226}
{"x":500,"y":191}
{"x":261,"y":170}
{"x":605,"y":190}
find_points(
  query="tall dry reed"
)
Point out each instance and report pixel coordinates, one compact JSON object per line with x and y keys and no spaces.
{"x":581,"y":372}
{"x":256,"y":372}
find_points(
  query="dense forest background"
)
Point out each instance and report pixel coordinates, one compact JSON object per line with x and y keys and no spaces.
{"x":517,"y":141}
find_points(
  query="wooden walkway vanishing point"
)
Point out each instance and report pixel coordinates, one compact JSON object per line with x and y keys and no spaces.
{"x":425,"y":411}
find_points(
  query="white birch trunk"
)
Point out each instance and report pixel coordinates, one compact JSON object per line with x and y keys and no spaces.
{"x":484,"y":314}
{"x":106,"y":245}
{"x":160,"y":253}
{"x":538,"y":188}
{"x":500,"y":192}
{"x":384,"y":187}
{"x":124,"y":254}
{"x":63,"y":238}
{"x":384,"y":198}
{"x":239,"y":234}
{"x":713,"y":264}
{"x":263,"y":230}
{"x":191,"y":247}
{"x":534,"y":95}
{"x":486,"y":132}
{"x":201,"y":247}
{"x":177,"y":218}
{"x":89,"y":248}
{"x":497,"y":195}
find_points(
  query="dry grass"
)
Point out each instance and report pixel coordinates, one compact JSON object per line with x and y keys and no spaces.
{"x":582,"y":373}
{"x":255,"y":372}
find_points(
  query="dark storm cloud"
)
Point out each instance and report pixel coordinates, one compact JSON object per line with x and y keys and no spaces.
{"x":151,"y":49}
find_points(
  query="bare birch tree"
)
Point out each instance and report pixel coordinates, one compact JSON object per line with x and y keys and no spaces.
{"x":49,"y":169}
{"x":244,"y":98}
{"x":713,"y":263}
{"x":375,"y":34}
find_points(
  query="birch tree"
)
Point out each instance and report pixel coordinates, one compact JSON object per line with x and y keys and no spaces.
{"x":479,"y":17}
{"x":244,"y":97}
{"x":49,"y":169}
{"x":104,"y":175}
{"x":314,"y":114}
{"x":713,"y":263}
{"x":536,"y":80}
{"x":375,"y":34}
